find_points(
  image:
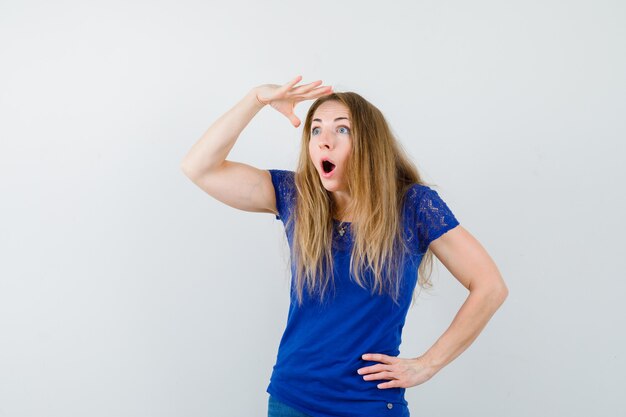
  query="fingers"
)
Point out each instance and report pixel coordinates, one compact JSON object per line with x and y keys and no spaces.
{"x":374,"y":368}
{"x":391,"y":384}
{"x":318,"y":92}
{"x":305,"y":87}
{"x":284,"y":98}
{"x":302,"y":92}
{"x":395,"y":380}
{"x":380,"y":375}
{"x":290,"y":84}
{"x":401,"y":372}
{"x":310,"y":90}
{"x":293,"y":119}
{"x":379,"y":357}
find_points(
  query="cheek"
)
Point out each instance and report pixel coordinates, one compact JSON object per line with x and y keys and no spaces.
{"x":312,"y":154}
{"x":346,"y":152}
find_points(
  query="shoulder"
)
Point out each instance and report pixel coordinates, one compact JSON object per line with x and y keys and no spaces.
{"x":281,"y":171}
{"x":417,"y":188}
{"x":426,"y":202}
{"x":418,"y":194}
{"x":416,"y":197}
{"x":284,"y":190}
{"x":428,"y":214}
{"x":283,"y":174}
{"x":282,"y":179}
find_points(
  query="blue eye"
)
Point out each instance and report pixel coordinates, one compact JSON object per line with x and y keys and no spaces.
{"x":346,"y":130}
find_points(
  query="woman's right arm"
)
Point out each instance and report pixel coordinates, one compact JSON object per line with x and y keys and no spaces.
{"x":236,"y":184}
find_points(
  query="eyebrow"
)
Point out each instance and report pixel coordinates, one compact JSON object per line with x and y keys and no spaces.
{"x":338,"y":118}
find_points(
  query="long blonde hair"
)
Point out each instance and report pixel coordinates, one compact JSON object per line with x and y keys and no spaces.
{"x":379,"y":173}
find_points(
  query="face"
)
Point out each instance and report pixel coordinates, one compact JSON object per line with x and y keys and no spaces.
{"x":331,"y":140}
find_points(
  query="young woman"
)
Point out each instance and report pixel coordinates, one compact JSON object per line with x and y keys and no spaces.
{"x":362,"y":228}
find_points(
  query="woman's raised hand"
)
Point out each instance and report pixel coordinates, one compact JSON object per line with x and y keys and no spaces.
{"x":285,"y":97}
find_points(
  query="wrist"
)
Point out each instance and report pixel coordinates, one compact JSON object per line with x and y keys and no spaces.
{"x":255,"y":93}
{"x":433,"y":364}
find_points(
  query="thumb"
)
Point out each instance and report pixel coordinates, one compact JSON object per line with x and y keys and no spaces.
{"x":294,"y":120}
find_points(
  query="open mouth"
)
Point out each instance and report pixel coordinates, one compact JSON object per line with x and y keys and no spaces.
{"x":328,"y":166}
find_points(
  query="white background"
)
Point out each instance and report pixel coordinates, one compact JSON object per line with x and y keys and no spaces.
{"x":127,"y":291}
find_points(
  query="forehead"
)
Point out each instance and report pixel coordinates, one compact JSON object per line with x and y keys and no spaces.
{"x":330,"y":110}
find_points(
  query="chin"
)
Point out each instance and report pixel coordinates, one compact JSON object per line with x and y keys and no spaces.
{"x":330,"y":185}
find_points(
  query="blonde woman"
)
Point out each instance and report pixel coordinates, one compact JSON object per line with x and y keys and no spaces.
{"x":362,"y":228}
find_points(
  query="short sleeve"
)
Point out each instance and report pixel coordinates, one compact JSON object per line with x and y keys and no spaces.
{"x":285,"y":191}
{"x":431,"y":216}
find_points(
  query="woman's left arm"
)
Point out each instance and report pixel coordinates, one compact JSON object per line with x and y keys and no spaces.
{"x":471,"y":265}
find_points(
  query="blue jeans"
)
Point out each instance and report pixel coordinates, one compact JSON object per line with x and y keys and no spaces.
{"x":277,"y":409}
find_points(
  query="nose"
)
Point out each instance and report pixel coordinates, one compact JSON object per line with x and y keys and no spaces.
{"x":325,"y":141}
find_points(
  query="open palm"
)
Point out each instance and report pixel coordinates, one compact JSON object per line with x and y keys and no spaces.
{"x":284,"y":98}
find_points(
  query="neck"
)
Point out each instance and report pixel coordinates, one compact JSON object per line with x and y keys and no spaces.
{"x":341,"y":216}
{"x":341,"y":203}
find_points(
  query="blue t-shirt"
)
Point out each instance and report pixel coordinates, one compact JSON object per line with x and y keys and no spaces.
{"x":320,"y":350}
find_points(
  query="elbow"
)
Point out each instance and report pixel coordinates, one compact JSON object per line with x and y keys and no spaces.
{"x":194,"y":170}
{"x":495,"y":292}
{"x":500,"y":293}
{"x":498,"y":290}
{"x":504,"y":295}
{"x":186,"y":170}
